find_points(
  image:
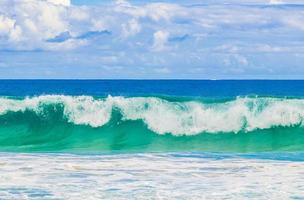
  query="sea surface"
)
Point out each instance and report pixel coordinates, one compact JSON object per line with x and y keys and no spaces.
{"x":151,"y":139}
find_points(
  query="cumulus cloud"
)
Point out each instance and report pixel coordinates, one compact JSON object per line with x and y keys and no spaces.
{"x":29,"y":23}
{"x":160,"y":40}
{"x":9,"y":30}
{"x":35,"y":24}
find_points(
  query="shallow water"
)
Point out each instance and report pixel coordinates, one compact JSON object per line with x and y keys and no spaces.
{"x":151,"y":176}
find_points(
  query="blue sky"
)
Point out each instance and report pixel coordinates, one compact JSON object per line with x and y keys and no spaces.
{"x":201,"y":39}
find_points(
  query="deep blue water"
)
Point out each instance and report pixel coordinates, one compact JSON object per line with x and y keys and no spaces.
{"x":202,"y":88}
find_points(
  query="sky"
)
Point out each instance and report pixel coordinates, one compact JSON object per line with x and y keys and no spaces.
{"x":157,"y":39}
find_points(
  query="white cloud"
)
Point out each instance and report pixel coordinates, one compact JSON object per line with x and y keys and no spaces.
{"x":162,"y":70}
{"x":66,"y":45}
{"x":143,"y":37}
{"x":242,"y":60}
{"x":235,"y":60}
{"x":30,"y":24}
{"x":295,"y":22}
{"x":159,"y":11}
{"x":154,"y":11}
{"x":265,"y":48}
{"x":258,"y":48}
{"x":60,"y":2}
{"x":122,"y":3}
{"x":227,"y":48}
{"x":79,"y":14}
{"x":9,"y":29}
{"x":160,"y":40}
{"x":6,"y":24}
{"x":132,"y":27}
{"x":275,"y":2}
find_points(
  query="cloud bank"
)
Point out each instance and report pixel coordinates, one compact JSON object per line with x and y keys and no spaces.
{"x":214,"y":38}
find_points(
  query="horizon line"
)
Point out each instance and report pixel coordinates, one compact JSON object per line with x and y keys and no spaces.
{"x":146,"y":79}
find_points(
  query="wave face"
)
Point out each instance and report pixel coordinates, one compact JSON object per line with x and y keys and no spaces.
{"x":86,"y":123}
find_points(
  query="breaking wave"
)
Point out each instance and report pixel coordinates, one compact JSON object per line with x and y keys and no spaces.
{"x":191,"y":117}
{"x":59,"y":123}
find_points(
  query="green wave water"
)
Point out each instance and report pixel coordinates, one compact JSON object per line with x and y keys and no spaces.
{"x":86,"y":124}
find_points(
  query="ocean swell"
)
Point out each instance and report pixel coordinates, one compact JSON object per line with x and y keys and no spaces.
{"x":242,"y":114}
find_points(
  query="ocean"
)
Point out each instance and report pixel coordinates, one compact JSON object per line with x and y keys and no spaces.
{"x":151,"y":139}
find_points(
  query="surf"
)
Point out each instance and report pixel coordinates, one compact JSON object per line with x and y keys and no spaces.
{"x":98,"y":124}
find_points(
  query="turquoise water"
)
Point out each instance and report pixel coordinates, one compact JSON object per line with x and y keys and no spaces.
{"x":61,"y":123}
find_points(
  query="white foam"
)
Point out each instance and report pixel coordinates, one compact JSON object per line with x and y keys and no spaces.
{"x":79,"y":110}
{"x":193,"y":117}
{"x":147,"y":176}
{"x":162,"y":116}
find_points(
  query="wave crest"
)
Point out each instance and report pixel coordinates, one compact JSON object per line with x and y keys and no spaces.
{"x":163,"y":116}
